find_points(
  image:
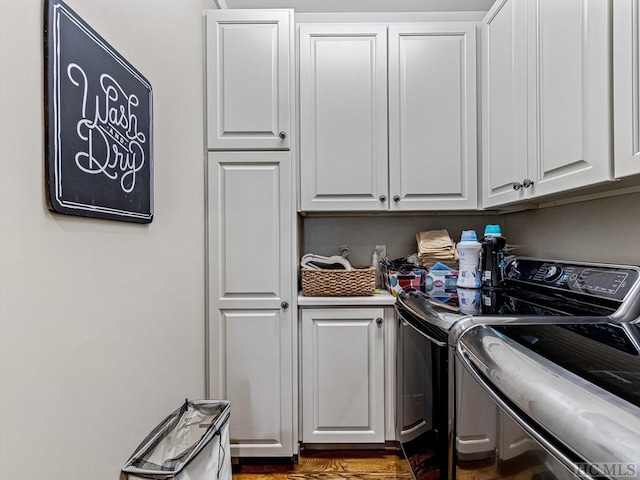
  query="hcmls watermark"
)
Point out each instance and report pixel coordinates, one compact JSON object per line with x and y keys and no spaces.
{"x":607,"y":469}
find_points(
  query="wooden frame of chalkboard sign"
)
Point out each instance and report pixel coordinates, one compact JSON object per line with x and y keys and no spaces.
{"x":99,"y":155}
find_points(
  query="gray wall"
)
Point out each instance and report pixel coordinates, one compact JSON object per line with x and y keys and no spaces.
{"x":325,"y":235}
{"x":101,"y":322}
{"x":605,"y":230}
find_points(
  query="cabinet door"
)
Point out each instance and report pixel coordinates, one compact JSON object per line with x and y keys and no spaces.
{"x":432,"y":116}
{"x":504,"y":103}
{"x":254,"y":370}
{"x":250,"y":228}
{"x":626,"y":90}
{"x":343,"y":117}
{"x":248,"y":62}
{"x":250,"y":275}
{"x":569,"y":94}
{"x":342,"y":375}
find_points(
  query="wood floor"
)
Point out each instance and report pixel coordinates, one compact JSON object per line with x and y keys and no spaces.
{"x":332,"y":465}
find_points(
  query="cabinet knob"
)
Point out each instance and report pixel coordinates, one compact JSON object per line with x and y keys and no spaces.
{"x":517,"y":185}
{"x":282,"y":135}
{"x":396,"y":198}
{"x":527,"y":183}
{"x":379,"y":322}
{"x":383,"y":198}
{"x":284,"y":305}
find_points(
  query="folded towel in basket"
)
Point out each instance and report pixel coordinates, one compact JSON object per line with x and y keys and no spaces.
{"x":311,"y":260}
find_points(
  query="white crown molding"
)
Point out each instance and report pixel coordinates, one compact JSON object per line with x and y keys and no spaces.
{"x":317,"y":6}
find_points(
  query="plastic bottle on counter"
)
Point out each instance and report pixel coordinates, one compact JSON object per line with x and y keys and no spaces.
{"x":469,"y":253}
{"x":492,"y":256}
{"x":375,"y":263}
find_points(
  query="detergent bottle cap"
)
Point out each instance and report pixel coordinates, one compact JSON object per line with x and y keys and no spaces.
{"x":492,"y":230}
{"x":468,"y":236}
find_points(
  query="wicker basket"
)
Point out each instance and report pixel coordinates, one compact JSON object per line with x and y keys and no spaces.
{"x":338,"y":283}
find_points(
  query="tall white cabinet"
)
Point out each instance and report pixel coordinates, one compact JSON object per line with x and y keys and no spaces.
{"x":548,"y":59}
{"x":251,"y":234}
{"x":427,"y":160}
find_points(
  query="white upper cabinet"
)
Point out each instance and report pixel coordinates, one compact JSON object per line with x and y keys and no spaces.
{"x":432,"y":116}
{"x":504,"y":103}
{"x":248,"y":58}
{"x":569,"y":42}
{"x":429,"y":161}
{"x":567,"y":87}
{"x":626,"y":88}
{"x":343,"y":117}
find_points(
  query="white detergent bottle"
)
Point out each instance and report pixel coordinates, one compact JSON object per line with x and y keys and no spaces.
{"x":469,"y":253}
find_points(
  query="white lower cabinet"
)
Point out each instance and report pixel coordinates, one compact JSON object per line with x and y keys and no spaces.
{"x":342,"y":385}
{"x":254,"y":371}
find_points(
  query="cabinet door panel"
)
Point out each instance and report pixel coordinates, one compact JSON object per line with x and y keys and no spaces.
{"x":626,"y":68}
{"x":248,"y":79}
{"x":504,"y":103}
{"x":569,"y":109}
{"x":342,"y":376}
{"x":343,"y":117}
{"x":432,"y":116}
{"x":254,"y":371}
{"x":249,"y":208}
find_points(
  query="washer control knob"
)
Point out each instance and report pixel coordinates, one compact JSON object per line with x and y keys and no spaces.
{"x":553,"y":273}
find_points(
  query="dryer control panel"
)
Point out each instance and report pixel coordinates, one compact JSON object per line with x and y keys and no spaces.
{"x":599,"y":280}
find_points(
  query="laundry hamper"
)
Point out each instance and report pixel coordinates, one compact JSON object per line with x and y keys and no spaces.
{"x":192,"y":443}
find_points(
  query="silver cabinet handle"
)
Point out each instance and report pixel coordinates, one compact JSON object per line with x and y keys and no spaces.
{"x":282,"y":135}
{"x":396,"y":198}
{"x":527,"y":183}
{"x":517,"y":185}
{"x":379,"y":322}
{"x":383,"y":198}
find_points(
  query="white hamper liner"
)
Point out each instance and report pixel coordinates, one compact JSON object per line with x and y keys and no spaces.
{"x":192,"y":443}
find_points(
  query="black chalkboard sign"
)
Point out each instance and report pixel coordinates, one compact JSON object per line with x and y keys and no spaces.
{"x":99,"y":155}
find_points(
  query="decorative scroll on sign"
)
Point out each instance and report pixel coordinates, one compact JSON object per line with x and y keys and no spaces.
{"x":99,"y":124}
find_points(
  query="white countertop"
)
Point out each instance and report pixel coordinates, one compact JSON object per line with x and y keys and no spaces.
{"x":383,"y":298}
